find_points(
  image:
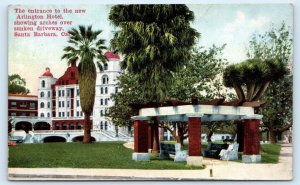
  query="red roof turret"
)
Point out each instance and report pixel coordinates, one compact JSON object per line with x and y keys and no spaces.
{"x":111,"y":56}
{"x":47,"y":72}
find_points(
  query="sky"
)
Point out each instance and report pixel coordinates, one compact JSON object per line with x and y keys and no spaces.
{"x":229,"y":24}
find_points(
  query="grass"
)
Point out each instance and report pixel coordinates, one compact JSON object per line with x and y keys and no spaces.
{"x":77,"y":155}
{"x":103,"y":155}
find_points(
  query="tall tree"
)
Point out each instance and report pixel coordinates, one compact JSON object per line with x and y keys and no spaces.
{"x":86,"y":49}
{"x":276,"y":43}
{"x":156,"y":41}
{"x":17,"y":84}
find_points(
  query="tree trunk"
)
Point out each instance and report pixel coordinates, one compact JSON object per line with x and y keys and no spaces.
{"x":239,"y":92}
{"x":208,"y":138}
{"x":117,"y":130}
{"x":272,"y":136}
{"x":161,"y":134}
{"x":87,"y":129}
{"x":261,"y":91}
{"x":180,"y":136}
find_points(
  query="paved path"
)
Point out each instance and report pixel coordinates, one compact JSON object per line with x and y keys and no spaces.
{"x":221,"y":170}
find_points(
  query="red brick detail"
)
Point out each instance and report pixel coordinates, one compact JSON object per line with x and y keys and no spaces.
{"x":140,"y":136}
{"x":67,"y":122}
{"x":194,"y":126}
{"x":155,"y":137}
{"x":251,"y":137}
{"x":72,"y":102}
{"x":70,"y":76}
{"x":150,"y":136}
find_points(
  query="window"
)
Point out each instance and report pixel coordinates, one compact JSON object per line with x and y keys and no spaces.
{"x":106,"y":90}
{"x":48,"y":104}
{"x":59,"y":93}
{"x":43,"y":83}
{"x":68,"y":103}
{"x":23,"y":114}
{"x":101,"y":113}
{"x":78,"y":125}
{"x":72,"y":126}
{"x":63,"y":93}
{"x":105,"y":125}
{"x":77,"y":113}
{"x":106,"y":101}
{"x":105,"y":79}
{"x":13,"y":114}
{"x":49,"y":94}
{"x":116,"y":90}
{"x":59,"y":114}
{"x":64,"y":126}
{"x":13,"y":104}
{"x":59,"y":104}
{"x":63,"y":114}
{"x":31,"y":114}
{"x":101,"y":90}
{"x":68,"y":93}
{"x":82,"y":113}
{"x":78,"y":92}
{"x":42,"y":105}
{"x":42,"y":94}
{"x":42,"y":115}
{"x":48,"y":114}
{"x":23,"y":104}
{"x":77,"y":103}
{"x":101,"y":101}
{"x":68,"y":114}
{"x":105,"y":66}
{"x":101,"y":125}
{"x":32,"y":105}
{"x":63,"y":104}
{"x":56,"y":126}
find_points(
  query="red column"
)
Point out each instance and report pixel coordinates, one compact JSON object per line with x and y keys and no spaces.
{"x":155,"y":136}
{"x":140,"y":136}
{"x":251,"y":137}
{"x":194,"y":126}
{"x":150,"y":136}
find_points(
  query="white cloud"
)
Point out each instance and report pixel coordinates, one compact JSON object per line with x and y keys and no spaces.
{"x":259,"y":22}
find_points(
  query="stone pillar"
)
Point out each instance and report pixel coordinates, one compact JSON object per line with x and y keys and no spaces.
{"x":140,"y":141}
{"x":251,"y":153}
{"x":194,"y":131}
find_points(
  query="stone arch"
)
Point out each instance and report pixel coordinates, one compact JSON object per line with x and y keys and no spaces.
{"x":80,"y":139}
{"x":23,"y":125}
{"x":52,"y":139}
{"x":42,"y":125}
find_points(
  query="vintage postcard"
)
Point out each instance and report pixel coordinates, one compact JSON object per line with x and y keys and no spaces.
{"x":150,"y":92}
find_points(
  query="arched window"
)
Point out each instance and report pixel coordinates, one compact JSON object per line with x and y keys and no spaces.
{"x":42,"y":94}
{"x":43,"y":84}
{"x":71,"y":126}
{"x":42,"y":105}
{"x":48,"y":104}
{"x":56,"y":126}
{"x":104,"y":79}
{"x":78,"y":126}
{"x":42,"y":115}
{"x":101,"y":101}
{"x":64,"y":126}
{"x":105,"y":66}
{"x":101,"y":113}
{"x":101,"y":89}
{"x":48,"y":114}
{"x":101,"y":125}
{"x":105,"y":125}
{"x":106,"y":90}
{"x":106,"y":101}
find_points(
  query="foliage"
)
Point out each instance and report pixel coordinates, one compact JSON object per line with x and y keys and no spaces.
{"x":251,"y":78}
{"x":276,"y":43}
{"x":156,"y":41}
{"x":17,"y":84}
{"x":112,"y":155}
{"x":200,"y":77}
{"x":85,"y":48}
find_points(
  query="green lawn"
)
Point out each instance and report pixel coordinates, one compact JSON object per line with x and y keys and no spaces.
{"x":77,"y":155}
{"x":102,"y":155}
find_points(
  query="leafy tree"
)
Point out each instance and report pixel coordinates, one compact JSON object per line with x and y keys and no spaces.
{"x":17,"y":84}
{"x":276,"y":43}
{"x":86,"y":49}
{"x":156,"y":41}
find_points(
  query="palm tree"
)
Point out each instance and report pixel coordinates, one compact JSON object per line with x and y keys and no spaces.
{"x":86,"y":50}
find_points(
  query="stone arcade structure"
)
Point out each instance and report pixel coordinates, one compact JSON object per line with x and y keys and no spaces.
{"x":195,"y":115}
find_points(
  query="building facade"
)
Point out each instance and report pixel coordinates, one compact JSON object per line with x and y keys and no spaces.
{"x":22,"y":105}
